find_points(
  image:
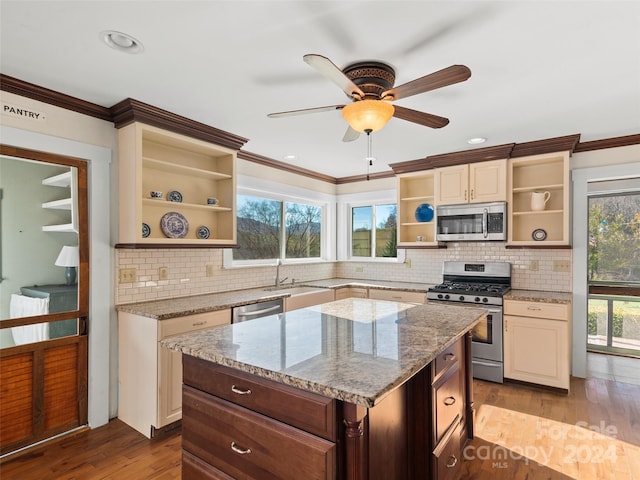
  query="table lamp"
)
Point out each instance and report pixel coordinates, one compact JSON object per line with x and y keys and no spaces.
{"x":68,"y":258}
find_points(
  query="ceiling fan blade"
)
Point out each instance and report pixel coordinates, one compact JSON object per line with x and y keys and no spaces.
{"x":304,"y":111}
{"x":421,"y":118}
{"x":441,"y":78}
{"x":327,"y":68}
{"x":350,"y":135}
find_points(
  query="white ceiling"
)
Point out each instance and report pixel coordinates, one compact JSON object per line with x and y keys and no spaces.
{"x":539,"y":69}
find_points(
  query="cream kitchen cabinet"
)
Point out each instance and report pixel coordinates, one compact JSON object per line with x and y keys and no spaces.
{"x":303,"y":300}
{"x":471,"y":183}
{"x":414,"y":189}
{"x":150,"y":376}
{"x":352,"y":292}
{"x":539,"y":173}
{"x":537,"y":345}
{"x":397,"y":296}
{"x":186,"y":171}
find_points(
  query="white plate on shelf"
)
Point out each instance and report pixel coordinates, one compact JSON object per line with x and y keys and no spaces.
{"x":174,"y":196}
{"x":174,"y":225}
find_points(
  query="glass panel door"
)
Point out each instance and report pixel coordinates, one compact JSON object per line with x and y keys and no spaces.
{"x":613,"y":323}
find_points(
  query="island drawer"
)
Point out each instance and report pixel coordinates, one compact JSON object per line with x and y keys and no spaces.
{"x":554,"y":311}
{"x":447,"y":359}
{"x":447,"y":457}
{"x":448,"y":402}
{"x":310,"y":412}
{"x":245,"y":444}
{"x":193,"y":467}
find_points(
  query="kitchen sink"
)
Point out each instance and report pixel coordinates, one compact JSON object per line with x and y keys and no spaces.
{"x":294,"y":290}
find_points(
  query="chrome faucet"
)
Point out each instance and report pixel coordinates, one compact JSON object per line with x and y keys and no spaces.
{"x":278,"y":281}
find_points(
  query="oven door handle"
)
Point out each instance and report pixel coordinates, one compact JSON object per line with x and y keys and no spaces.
{"x":493,"y":310}
{"x":485,"y":222}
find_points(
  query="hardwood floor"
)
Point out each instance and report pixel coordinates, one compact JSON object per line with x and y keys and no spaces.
{"x":593,"y":433}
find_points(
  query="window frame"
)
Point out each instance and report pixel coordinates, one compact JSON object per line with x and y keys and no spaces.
{"x":287,"y":193}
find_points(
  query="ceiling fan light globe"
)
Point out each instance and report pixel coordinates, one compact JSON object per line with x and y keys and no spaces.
{"x":369,"y":115}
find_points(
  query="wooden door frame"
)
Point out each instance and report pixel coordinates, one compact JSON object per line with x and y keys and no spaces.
{"x":72,"y":349}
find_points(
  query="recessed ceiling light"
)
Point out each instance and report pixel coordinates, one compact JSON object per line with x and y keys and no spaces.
{"x":121,"y":41}
{"x":290,"y":157}
{"x":476,"y":140}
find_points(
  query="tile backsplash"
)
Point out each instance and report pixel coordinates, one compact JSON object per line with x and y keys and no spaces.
{"x":197,"y":271}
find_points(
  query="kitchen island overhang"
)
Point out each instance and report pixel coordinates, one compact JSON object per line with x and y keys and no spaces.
{"x":367,"y":358}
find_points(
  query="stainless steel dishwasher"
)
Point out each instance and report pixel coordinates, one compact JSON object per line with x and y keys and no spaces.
{"x":257,"y":310}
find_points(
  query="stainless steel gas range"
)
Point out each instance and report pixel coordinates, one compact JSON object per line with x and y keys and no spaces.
{"x":482,"y":284}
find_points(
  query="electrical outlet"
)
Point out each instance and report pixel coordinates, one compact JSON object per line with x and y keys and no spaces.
{"x":534,"y":265}
{"x":127,"y":275}
{"x":359,"y":269}
{"x":561,"y":266}
{"x":163,"y":273}
{"x":209,"y":270}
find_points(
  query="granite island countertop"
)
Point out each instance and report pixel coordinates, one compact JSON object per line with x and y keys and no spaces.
{"x":355,"y":350}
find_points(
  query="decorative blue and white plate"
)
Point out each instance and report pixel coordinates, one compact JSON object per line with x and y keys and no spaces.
{"x":174,"y":196}
{"x":146,"y":231}
{"x":174,"y":225}
{"x":424,"y":212}
{"x":203,"y":232}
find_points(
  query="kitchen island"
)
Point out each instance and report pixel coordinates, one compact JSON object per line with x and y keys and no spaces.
{"x":351,"y":389}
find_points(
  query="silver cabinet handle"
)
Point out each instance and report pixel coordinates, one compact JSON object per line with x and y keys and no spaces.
{"x":453,"y":461}
{"x":235,"y":389}
{"x":450,"y":357}
{"x":197,"y":324}
{"x":449,"y":401}
{"x":238,"y":450}
{"x":535,"y":309}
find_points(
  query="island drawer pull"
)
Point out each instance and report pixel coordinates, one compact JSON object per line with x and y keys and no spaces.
{"x":235,"y":389}
{"x":450,"y":356}
{"x":197,"y":324}
{"x":453,"y":461}
{"x":535,"y":309}
{"x":238,"y":450}
{"x":449,"y":401}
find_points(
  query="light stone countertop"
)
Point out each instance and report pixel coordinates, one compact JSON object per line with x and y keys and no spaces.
{"x":209,"y":302}
{"x":539,"y":296}
{"x":355,"y":350}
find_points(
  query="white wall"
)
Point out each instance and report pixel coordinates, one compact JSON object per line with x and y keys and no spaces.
{"x":72,"y":134}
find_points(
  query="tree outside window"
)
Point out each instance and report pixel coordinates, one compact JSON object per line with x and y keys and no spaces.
{"x":364,"y":243}
{"x":262,"y":233}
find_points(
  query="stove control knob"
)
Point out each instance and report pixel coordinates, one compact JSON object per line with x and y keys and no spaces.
{"x":439,"y":295}
{"x":485,"y":300}
{"x":461,"y":298}
{"x":446,"y":297}
{"x":477,"y":299}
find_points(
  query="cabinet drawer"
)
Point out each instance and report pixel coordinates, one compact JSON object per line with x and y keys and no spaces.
{"x":244,"y":444}
{"x":190,"y":323}
{"x":397,"y":296}
{"x":193,"y":467}
{"x":555,"y":311}
{"x":351,"y":292}
{"x":447,"y":402}
{"x":448,"y":358}
{"x":447,"y":457}
{"x":308,"y":411}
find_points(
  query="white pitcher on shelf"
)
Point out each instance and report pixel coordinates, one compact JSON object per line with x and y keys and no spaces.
{"x":539,"y":200}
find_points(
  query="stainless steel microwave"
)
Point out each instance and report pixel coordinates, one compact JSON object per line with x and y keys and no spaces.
{"x":471,"y":222}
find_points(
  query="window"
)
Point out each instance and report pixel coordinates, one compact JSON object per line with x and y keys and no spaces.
{"x":269,"y":229}
{"x":373,"y":231}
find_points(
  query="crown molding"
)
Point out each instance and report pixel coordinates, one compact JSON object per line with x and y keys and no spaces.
{"x":269,"y":162}
{"x":547,"y":145}
{"x":605,"y":143}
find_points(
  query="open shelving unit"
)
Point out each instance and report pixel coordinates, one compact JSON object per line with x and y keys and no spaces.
{"x":67,"y":180}
{"x":539,"y":173}
{"x":153,"y":159}
{"x":415,"y":189}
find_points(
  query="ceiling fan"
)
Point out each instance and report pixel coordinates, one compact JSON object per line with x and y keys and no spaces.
{"x":369,"y":85}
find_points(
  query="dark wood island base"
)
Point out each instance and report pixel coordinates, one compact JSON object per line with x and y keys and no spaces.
{"x":241,"y":426}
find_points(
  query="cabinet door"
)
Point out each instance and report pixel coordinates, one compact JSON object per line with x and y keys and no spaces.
{"x":170,"y":362}
{"x":488,"y":181}
{"x":452,"y":185}
{"x":536,"y":350}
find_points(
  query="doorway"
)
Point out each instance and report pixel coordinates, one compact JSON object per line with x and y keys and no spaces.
{"x":45,"y":296}
{"x":613,"y":311}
